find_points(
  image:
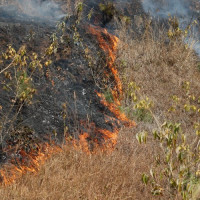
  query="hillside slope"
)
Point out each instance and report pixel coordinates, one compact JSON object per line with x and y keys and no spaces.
{"x":89,"y":80}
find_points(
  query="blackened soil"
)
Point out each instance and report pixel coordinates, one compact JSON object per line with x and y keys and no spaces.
{"x":69,"y":81}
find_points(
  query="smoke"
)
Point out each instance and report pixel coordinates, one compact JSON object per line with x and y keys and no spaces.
{"x":184,"y":12}
{"x":40,"y":9}
{"x":163,"y":8}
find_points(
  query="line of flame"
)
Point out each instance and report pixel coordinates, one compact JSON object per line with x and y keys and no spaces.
{"x":29,"y":162}
{"x":109,"y":49}
{"x":10,"y":173}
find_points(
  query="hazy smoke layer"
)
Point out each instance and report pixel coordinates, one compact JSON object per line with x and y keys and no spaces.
{"x":163,"y":8}
{"x":26,"y":10}
{"x":180,"y":8}
{"x":40,"y":8}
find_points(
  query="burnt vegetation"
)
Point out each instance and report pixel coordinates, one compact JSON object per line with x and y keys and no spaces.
{"x":52,"y":84}
{"x":99,"y":99}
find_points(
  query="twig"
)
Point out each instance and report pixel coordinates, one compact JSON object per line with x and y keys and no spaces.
{"x":3,"y":70}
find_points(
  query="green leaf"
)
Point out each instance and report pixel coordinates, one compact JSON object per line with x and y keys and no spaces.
{"x":145,"y":179}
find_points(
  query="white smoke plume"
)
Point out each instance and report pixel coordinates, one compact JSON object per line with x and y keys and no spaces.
{"x":40,"y":8}
{"x":182,"y":9}
{"x":163,"y":8}
{"x":26,"y":9}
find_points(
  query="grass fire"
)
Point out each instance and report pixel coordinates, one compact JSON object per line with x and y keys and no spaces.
{"x":99,"y":99}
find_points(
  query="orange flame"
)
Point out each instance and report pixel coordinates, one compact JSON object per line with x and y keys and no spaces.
{"x":110,"y":138}
{"x":83,"y":143}
{"x":115,"y":110}
{"x":109,"y":49}
{"x":32,"y":162}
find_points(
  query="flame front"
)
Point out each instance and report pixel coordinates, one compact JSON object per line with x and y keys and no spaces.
{"x":115,"y":110}
{"x":109,"y":48}
{"x":32,"y":162}
{"x":27,"y":162}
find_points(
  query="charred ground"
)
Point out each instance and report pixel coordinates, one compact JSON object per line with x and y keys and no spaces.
{"x":74,"y":97}
{"x":65,"y":97}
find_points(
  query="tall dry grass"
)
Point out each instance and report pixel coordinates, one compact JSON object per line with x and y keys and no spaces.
{"x":159,"y":67}
{"x":76,"y":175}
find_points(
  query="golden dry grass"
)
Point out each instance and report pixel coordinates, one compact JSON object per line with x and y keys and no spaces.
{"x":160,"y":70}
{"x":76,"y":175}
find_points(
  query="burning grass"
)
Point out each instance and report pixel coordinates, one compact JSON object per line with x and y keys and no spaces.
{"x":92,"y":138}
{"x":27,"y":162}
{"x":161,"y":68}
{"x":75,"y":175}
{"x":109,"y":49}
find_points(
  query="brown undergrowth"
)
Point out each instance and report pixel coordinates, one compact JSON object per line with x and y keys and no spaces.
{"x":161,"y":87}
{"x":76,"y":175}
{"x":160,"y":68}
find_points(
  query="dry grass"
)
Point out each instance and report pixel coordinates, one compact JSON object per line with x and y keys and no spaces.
{"x":160,"y":68}
{"x":75,"y":175}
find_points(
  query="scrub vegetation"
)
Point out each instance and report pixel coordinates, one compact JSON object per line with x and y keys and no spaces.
{"x":157,"y":159}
